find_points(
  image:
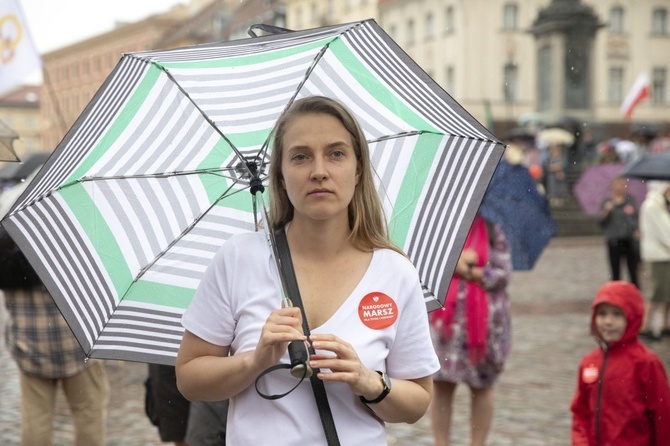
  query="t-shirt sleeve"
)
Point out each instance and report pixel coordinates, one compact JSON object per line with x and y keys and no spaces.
{"x":412,"y":354}
{"x":209,"y":315}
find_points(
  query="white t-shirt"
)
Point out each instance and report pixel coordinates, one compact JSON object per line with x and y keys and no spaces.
{"x":233,"y":301}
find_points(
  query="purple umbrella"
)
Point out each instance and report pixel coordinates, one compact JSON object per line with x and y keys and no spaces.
{"x":593,"y":187}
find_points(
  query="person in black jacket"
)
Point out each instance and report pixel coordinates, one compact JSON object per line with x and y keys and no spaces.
{"x":619,"y":220}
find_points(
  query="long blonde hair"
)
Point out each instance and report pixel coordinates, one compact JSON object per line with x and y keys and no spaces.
{"x":367,"y":221}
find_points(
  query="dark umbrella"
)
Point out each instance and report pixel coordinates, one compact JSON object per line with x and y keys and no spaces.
{"x":21,"y":171}
{"x":513,"y":202}
{"x":519,"y":134}
{"x":593,"y":187}
{"x":653,"y":166}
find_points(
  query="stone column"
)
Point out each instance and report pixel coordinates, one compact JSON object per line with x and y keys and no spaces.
{"x":564,"y":33}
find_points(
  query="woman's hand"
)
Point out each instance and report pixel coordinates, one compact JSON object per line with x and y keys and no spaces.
{"x":406,"y":402}
{"x":345,"y":366}
{"x":467,"y":258}
{"x":281,"y":327}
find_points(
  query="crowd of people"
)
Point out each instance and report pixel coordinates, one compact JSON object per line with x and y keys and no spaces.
{"x":323,"y":200}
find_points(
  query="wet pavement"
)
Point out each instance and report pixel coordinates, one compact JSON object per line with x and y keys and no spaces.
{"x":550,"y":314}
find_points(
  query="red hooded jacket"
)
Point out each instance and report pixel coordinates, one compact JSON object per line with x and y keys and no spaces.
{"x":622,"y":397}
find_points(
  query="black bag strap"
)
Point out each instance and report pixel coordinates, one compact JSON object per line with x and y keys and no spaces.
{"x":294,"y":294}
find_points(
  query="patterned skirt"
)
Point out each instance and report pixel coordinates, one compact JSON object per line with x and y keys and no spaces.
{"x":453,"y":353}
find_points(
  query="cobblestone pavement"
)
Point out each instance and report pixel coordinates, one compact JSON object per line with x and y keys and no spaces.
{"x":550,"y":312}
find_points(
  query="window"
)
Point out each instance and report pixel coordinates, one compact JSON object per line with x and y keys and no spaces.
{"x":450,"y":81}
{"x":449,"y":22}
{"x":410,"y":32}
{"x":659,"y":22}
{"x":510,"y":82}
{"x":658,"y":85}
{"x":616,"y":20}
{"x":430,"y":27}
{"x":298,"y":18}
{"x":393,"y":32}
{"x":510,"y":11}
{"x":615,"y":86}
{"x":544,"y":70}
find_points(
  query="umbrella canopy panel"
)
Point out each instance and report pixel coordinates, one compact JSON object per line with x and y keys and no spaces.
{"x":513,"y":202}
{"x":153,"y":177}
{"x":594,"y":186}
{"x":652,"y":166}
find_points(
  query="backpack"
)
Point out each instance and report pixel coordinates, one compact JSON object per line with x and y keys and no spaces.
{"x":15,"y":270}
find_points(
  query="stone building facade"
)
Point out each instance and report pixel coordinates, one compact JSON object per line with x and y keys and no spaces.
{"x":483,"y":53}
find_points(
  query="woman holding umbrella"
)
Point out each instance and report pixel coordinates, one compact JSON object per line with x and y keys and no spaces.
{"x":375,"y":369}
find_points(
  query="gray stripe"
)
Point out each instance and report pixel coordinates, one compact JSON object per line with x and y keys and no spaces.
{"x":119,"y":210}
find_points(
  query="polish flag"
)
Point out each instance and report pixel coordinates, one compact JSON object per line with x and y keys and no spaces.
{"x":637,"y":94}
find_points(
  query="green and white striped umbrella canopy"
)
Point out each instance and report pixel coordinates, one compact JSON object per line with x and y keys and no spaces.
{"x":150,"y":181}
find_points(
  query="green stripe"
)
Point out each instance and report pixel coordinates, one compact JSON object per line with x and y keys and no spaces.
{"x":251,"y":59}
{"x":254,"y":138}
{"x":99,"y":235}
{"x":411,"y":189}
{"x":160,"y":294}
{"x":133,"y":104}
{"x":371,"y":82}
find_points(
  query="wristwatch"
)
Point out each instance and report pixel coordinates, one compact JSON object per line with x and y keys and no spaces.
{"x":386,"y":382}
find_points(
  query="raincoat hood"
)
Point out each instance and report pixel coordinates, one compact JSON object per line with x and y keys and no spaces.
{"x":626,"y":296}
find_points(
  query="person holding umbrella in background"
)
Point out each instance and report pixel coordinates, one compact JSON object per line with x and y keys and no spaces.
{"x":375,"y":369}
{"x":472,"y":333}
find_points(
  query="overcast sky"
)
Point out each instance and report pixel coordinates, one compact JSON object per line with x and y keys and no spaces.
{"x":57,"y":23}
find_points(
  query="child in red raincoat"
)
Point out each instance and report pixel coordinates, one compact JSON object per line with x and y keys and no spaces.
{"x":622,"y":397}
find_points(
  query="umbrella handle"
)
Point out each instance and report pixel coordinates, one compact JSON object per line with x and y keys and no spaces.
{"x":297,"y":351}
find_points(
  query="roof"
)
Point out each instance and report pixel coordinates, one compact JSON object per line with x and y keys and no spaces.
{"x":22,"y":96}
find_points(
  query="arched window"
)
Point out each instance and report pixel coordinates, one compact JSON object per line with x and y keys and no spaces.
{"x":510,"y":16}
{"x":616,"y":25}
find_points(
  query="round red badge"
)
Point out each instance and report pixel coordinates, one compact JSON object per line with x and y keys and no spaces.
{"x":590,"y":374}
{"x":377,"y":311}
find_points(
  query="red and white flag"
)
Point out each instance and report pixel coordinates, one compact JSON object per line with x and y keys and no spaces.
{"x":18,"y":56}
{"x":638,"y":93}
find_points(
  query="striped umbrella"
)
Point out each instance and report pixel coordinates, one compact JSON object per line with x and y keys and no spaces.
{"x":153,"y":176}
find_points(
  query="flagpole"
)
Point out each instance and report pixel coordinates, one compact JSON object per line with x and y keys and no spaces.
{"x":54,"y":100}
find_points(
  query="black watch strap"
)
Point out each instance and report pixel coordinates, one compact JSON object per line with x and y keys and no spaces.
{"x":386,"y":382}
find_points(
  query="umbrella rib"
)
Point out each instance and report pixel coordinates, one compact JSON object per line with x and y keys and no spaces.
{"x":213,"y":171}
{"x":202,"y":113}
{"x":308,"y":72}
{"x":184,"y":232}
{"x":419,"y":132}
